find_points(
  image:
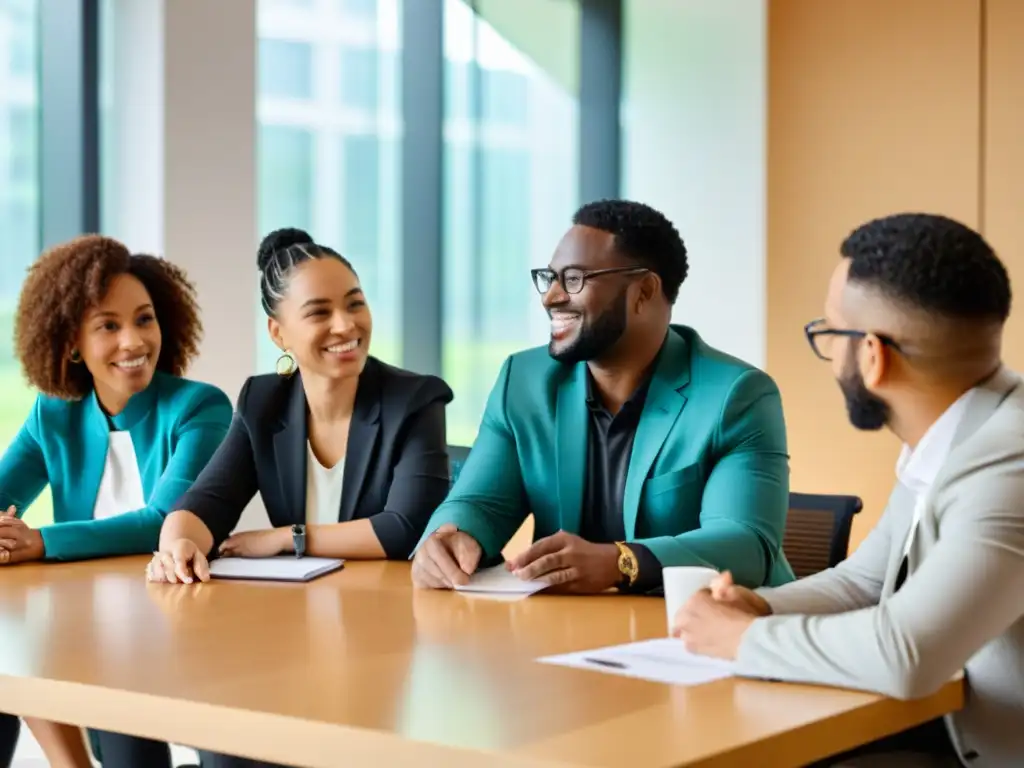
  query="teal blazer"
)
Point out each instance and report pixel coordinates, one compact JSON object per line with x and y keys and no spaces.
{"x":176,"y":425}
{"x":708,"y":479}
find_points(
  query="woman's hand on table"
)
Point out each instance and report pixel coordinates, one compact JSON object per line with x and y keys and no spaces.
{"x":179,"y":563}
{"x":264,"y":543}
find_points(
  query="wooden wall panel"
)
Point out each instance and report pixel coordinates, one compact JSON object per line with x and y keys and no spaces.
{"x":1003,"y":153}
{"x":874,"y":108}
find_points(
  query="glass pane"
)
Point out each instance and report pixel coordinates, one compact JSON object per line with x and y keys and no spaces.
{"x":19,"y":206}
{"x":359,"y":78}
{"x":366,"y":9}
{"x":510,"y":192}
{"x":330,"y":164}
{"x":286,"y":69}
{"x":109,"y":185}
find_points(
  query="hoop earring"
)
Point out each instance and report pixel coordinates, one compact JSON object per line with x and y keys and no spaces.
{"x":285,"y":365}
{"x":75,"y":356}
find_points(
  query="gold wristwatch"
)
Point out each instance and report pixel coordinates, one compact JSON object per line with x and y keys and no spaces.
{"x":629,"y":567}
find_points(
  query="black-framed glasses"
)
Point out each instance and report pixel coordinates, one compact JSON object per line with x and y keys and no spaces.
{"x":572,"y":279}
{"x":822,"y":338}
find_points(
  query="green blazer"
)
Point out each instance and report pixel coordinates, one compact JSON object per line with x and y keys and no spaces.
{"x":708,"y":479}
{"x":176,"y":425}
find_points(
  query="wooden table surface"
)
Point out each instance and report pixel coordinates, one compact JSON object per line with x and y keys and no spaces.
{"x":358,"y":668}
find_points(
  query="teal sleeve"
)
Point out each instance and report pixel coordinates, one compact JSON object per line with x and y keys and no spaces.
{"x":138,"y":532}
{"x":746,"y":498}
{"x":488,"y":501}
{"x":23,"y":469}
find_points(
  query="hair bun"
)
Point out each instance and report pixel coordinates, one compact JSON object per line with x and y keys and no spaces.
{"x":278,"y":240}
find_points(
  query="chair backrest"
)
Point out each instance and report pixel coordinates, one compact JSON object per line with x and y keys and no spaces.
{"x":818,"y":531}
{"x":457,"y":455}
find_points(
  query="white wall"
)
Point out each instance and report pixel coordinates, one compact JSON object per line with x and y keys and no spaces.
{"x":694,"y":146}
{"x":182,"y":178}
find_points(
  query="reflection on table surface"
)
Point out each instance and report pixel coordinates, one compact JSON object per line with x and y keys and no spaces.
{"x":362,"y":648}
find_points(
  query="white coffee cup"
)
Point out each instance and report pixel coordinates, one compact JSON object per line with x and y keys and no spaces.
{"x":681,"y":583}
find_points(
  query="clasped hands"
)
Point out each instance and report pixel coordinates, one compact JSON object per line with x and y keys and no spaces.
{"x":563,"y":560}
{"x":19,"y":543}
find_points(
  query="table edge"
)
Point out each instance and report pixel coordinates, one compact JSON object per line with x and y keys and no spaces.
{"x":246,"y":733}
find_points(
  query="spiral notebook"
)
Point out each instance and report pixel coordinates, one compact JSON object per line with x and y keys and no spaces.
{"x":281,"y":568}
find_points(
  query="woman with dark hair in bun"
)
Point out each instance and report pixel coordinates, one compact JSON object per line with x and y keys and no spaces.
{"x":349,"y":454}
{"x":116,"y":432}
{"x":348,"y":451}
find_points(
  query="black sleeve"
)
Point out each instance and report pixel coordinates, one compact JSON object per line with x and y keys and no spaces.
{"x":420,"y":480}
{"x":649,"y":577}
{"x":227,"y":483}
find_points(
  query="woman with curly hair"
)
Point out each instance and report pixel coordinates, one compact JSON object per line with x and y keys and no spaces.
{"x":116,"y":432}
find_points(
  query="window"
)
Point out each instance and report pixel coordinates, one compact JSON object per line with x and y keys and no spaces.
{"x":285,"y":69}
{"x":331,"y":165}
{"x":505,"y":97}
{"x":20,"y":19}
{"x":288,"y":5}
{"x":359,"y":77}
{"x":510,"y":192}
{"x":365,"y":9}
{"x":19,"y":206}
{"x":24,"y":144}
{"x":285,"y":177}
{"x":361,"y":197}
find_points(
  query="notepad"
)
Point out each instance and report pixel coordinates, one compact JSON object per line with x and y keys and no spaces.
{"x":499,"y":580}
{"x":663,"y":660}
{"x":281,"y":568}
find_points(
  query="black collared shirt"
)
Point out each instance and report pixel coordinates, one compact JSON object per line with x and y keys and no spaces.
{"x":609,"y":448}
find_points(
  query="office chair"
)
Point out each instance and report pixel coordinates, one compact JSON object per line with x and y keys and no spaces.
{"x":457,"y":455}
{"x":818,"y":531}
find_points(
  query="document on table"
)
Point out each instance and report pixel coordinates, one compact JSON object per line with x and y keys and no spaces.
{"x":281,"y":568}
{"x":498,"y":580}
{"x":664,"y":660}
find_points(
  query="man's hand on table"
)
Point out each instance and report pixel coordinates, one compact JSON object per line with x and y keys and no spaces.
{"x":714,"y":620}
{"x":569,"y":564}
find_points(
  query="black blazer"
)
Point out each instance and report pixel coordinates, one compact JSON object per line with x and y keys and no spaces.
{"x":396,"y":464}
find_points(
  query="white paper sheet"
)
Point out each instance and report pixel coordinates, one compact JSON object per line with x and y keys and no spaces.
{"x":664,"y":660}
{"x":498,"y":580}
{"x":281,"y":568}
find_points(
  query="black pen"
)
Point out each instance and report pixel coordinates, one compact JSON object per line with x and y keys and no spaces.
{"x":607,"y":663}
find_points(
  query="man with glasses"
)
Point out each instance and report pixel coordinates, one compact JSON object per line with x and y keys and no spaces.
{"x":913,"y":328}
{"x":633,"y":443}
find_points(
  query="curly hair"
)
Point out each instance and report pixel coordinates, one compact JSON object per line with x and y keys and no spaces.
{"x":71,"y":278}
{"x":641,"y":233}
{"x":932,"y":264}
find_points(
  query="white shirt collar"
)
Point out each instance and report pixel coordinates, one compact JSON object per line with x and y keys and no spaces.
{"x":917,"y":468}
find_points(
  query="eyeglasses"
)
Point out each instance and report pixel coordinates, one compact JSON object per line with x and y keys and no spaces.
{"x":572,"y":279}
{"x":822,"y":338}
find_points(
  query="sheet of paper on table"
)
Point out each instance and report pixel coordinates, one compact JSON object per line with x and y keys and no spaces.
{"x":280,"y":568}
{"x":499,"y":581}
{"x":663,"y":660}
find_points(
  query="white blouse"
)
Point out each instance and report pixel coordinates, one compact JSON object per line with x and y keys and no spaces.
{"x":121,"y":485}
{"x":323,"y":490}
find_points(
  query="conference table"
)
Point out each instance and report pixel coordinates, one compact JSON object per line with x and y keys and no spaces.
{"x":358,"y":668}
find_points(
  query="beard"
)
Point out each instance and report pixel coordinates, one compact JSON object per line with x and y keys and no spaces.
{"x":866,"y":410}
{"x":596,"y":338}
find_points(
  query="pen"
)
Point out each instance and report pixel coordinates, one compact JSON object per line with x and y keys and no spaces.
{"x":607,"y":663}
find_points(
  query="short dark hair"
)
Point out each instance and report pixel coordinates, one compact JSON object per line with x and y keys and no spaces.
{"x":71,"y":278}
{"x":279,"y":254}
{"x":641,"y":233}
{"x":930,"y":263}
